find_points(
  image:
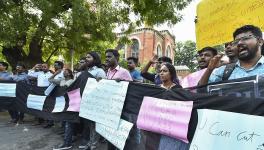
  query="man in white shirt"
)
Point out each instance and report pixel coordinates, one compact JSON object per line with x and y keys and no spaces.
{"x":43,"y":77}
{"x":58,"y":75}
{"x":40,"y":73}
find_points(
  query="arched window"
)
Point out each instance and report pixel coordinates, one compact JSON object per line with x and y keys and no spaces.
{"x":135,"y":48}
{"x":159,"y":51}
{"x":168,"y":51}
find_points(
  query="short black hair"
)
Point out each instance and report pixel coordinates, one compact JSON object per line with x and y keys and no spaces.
{"x":213,"y":50}
{"x":256,"y":31}
{"x":96,"y":59}
{"x":83,"y":58}
{"x":135,"y":60}
{"x":165,"y":59}
{"x":60,"y":63}
{"x":114,"y":52}
{"x":22,"y":65}
{"x":4,"y":64}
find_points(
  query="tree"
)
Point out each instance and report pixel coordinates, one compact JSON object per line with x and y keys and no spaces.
{"x":185,"y":54}
{"x":33,"y":31}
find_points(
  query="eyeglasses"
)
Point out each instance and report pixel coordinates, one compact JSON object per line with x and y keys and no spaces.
{"x":81,"y":62}
{"x":243,"y":39}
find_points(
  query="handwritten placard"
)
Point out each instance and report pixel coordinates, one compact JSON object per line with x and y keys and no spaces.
{"x":103,"y":101}
{"x":216,"y":25}
{"x":59,"y":104}
{"x":116,"y":137}
{"x":35,"y":101}
{"x":8,"y":89}
{"x":74,"y":100}
{"x":192,"y":79}
{"x":220,"y":130}
{"x":169,"y":118}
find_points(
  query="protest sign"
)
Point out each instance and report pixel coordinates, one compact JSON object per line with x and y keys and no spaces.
{"x":35,"y":101}
{"x":74,"y":100}
{"x":117,"y":136}
{"x":220,"y":130}
{"x":59,"y":104}
{"x":8,"y":89}
{"x":103,"y":101}
{"x":165,"y":117}
{"x":217,"y":20}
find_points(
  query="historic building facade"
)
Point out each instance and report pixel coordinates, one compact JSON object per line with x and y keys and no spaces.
{"x":147,"y":42}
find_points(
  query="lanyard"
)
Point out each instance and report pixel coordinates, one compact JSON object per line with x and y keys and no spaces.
{"x":112,"y":75}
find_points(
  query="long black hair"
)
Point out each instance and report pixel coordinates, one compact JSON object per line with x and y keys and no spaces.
{"x":70,"y":73}
{"x":96,"y":59}
{"x":172,"y":71}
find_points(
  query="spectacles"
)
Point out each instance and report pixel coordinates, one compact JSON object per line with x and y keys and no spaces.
{"x":243,"y":39}
{"x":81,"y":62}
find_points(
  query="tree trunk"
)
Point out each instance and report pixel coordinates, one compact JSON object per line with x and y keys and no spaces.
{"x":14,"y":55}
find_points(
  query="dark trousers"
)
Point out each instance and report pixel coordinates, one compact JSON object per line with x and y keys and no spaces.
{"x":15,"y":115}
{"x":86,"y":129}
{"x":110,"y":146}
{"x":69,"y":127}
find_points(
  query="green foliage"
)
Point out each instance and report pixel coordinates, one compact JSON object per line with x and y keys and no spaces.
{"x":185,"y":54}
{"x":41,"y":29}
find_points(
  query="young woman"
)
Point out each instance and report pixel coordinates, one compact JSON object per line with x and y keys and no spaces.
{"x":168,"y":76}
{"x":68,"y":78}
{"x":169,"y":81}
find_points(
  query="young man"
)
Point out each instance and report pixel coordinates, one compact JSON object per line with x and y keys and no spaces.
{"x":20,"y":76}
{"x":43,"y":77}
{"x":56,"y":78}
{"x":231,"y":52}
{"x":4,"y":75}
{"x":205,"y":55}
{"x":115,"y":72}
{"x":82,"y":66}
{"x":248,"y":41}
{"x":157,"y":62}
{"x":132,"y":63}
{"x":40,"y":73}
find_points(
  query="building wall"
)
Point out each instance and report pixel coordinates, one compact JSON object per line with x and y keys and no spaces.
{"x":149,"y":39}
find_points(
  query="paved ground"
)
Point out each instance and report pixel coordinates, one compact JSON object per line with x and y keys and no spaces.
{"x":27,"y":137}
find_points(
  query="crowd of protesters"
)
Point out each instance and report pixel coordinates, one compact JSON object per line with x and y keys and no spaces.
{"x":244,"y":59}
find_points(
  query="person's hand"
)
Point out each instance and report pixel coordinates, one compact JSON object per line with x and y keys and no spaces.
{"x":117,"y":80}
{"x":98,"y":79}
{"x":215,"y":62}
{"x":58,"y":72}
{"x":37,"y":66}
{"x":154,"y":59}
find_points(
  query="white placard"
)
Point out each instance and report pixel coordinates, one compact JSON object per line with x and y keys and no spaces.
{"x":8,"y":89}
{"x":35,"y":101}
{"x":220,"y":130}
{"x":59,"y":104}
{"x":116,"y":137}
{"x":103,"y":101}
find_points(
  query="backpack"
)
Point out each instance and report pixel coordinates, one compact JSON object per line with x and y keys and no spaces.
{"x":228,"y":71}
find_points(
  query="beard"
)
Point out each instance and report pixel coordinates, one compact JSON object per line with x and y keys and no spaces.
{"x":249,"y":54}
